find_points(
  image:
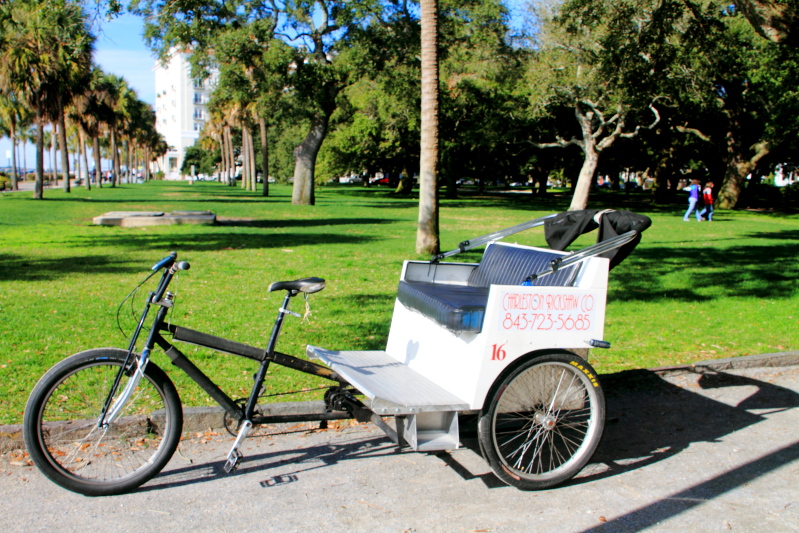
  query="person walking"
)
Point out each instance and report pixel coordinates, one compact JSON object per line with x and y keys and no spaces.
{"x":707,"y":196}
{"x":693,"y":199}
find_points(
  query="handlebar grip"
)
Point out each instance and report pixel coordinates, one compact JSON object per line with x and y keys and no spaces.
{"x":183,"y":265}
{"x":166,"y":261}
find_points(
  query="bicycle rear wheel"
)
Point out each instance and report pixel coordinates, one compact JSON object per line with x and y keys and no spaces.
{"x":61,"y":430}
{"x":544,"y":422}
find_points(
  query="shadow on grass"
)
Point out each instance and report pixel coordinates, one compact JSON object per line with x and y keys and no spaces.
{"x":789,"y":235}
{"x":214,"y":241}
{"x":26,"y":268}
{"x":299,"y":223}
{"x":767,"y":271}
{"x":182,"y":201}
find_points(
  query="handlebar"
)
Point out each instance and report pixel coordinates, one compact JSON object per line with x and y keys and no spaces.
{"x":166,"y":261}
{"x":169,"y":262}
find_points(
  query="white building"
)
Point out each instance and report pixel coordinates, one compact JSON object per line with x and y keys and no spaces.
{"x":180,"y":108}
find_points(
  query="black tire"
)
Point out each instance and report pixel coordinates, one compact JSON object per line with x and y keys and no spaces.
{"x":65,"y":442}
{"x":543,"y":422}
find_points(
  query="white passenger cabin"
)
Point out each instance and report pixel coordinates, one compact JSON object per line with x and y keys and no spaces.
{"x":457,"y":326}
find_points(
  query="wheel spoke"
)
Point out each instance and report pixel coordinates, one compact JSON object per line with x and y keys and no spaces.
{"x":69,"y":446}
{"x":546,"y":422}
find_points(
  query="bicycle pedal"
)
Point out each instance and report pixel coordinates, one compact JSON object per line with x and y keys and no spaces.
{"x":233,"y":462}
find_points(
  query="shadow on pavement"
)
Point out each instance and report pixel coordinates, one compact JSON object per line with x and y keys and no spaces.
{"x":648,"y":419}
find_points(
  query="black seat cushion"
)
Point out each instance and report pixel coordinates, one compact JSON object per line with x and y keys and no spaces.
{"x":462,"y":307}
{"x":456,"y":307}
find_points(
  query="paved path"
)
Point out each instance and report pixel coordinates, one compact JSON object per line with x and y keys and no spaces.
{"x":681,"y":452}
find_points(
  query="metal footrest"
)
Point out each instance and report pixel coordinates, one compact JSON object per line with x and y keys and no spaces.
{"x":392,"y":388}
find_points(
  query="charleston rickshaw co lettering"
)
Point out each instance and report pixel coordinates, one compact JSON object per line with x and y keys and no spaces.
{"x":547,"y":302}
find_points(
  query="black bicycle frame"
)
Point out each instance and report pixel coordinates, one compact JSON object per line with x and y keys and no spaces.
{"x":263,"y":356}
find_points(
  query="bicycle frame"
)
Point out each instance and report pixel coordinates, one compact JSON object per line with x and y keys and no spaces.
{"x":264,"y":357}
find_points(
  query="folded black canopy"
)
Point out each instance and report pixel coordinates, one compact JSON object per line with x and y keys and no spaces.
{"x":562,"y":229}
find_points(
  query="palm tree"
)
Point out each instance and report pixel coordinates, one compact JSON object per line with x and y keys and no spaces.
{"x":43,"y":46}
{"x":15,"y":116}
{"x":427,"y":237}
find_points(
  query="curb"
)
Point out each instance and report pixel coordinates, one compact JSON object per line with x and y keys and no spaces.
{"x":768,"y":360}
{"x":196,"y":419}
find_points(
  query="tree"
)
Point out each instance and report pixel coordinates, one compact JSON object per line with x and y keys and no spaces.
{"x":577,"y":67}
{"x":775,"y":20}
{"x":42,"y":45}
{"x":321,"y":32}
{"x":427,"y":233}
{"x":14,"y":116}
{"x":481,"y":130}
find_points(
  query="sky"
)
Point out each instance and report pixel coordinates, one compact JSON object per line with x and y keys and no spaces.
{"x":121,"y":51}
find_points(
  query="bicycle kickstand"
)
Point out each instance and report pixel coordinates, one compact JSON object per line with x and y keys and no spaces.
{"x":234,"y":457}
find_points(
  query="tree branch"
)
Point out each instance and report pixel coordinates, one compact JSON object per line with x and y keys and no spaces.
{"x":638,"y":128}
{"x":693,"y":131}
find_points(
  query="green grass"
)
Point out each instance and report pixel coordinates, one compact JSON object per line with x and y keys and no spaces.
{"x":689,"y":292}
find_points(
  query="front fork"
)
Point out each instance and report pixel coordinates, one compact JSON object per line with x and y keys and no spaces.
{"x":112,"y":410}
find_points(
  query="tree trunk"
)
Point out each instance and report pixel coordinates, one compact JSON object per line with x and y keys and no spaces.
{"x":586,"y":178}
{"x":98,"y":163}
{"x":223,"y":175}
{"x":253,"y":166}
{"x":427,"y":234}
{"x":590,"y":162}
{"x":38,"y":188}
{"x":664,"y":170}
{"x":62,"y":140}
{"x":773,"y":19}
{"x":128,"y":173}
{"x":84,"y":154}
{"x":738,"y":168}
{"x":14,"y":174}
{"x":114,"y":157}
{"x":264,"y":156}
{"x":231,"y":156}
{"x":51,"y":153}
{"x":305,"y":161}
{"x":246,"y":181}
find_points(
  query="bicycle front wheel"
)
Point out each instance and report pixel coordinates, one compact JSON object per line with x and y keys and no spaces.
{"x":64,"y":440}
{"x":544,"y":422}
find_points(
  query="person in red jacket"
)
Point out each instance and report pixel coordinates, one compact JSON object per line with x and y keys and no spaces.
{"x":707,"y":196}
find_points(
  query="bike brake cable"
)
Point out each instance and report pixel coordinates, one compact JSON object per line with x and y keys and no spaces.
{"x":130,"y":295}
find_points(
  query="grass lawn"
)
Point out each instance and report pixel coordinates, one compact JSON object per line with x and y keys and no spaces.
{"x":689,"y":292}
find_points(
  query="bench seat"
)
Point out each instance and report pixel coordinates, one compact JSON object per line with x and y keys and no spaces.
{"x":462,"y":307}
{"x":456,"y":307}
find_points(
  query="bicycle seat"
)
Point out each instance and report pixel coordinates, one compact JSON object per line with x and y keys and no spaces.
{"x":306,"y":285}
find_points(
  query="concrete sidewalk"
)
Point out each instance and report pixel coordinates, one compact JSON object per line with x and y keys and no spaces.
{"x":715,"y":450}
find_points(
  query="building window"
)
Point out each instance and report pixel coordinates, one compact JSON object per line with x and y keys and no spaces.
{"x":198,"y":113}
{"x":198,"y":98}
{"x":198,"y":84}
{"x":198,"y":126}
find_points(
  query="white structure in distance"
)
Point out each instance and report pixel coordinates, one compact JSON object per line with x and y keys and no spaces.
{"x":180,"y":108}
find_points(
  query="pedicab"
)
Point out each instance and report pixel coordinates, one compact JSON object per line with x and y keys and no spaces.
{"x":504,"y":340}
